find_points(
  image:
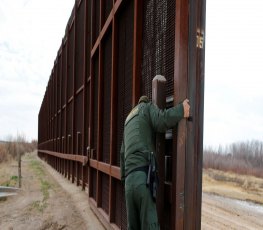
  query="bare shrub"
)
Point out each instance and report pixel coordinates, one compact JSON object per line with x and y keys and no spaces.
{"x":15,"y":146}
{"x":241,"y":158}
{"x":3,"y":153}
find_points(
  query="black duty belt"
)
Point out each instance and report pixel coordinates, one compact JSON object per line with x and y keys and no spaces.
{"x":142,"y":168}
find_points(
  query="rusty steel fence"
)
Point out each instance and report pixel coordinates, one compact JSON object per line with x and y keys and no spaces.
{"x":111,"y":51}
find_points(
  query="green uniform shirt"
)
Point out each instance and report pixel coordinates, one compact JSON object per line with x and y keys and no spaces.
{"x":139,"y":133}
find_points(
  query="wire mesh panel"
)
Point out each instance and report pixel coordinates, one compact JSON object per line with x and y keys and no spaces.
{"x":124,"y":71}
{"x":79,"y":50}
{"x":107,"y":47}
{"x":120,"y":214}
{"x":52,"y":104}
{"x":70,"y":63}
{"x":55,"y":106}
{"x":107,"y":8}
{"x":105,"y":192}
{"x":95,"y":103}
{"x":69,"y":120}
{"x":88,"y":37}
{"x":93,"y":191}
{"x":95,"y":20}
{"x":87,"y":63}
{"x":59,"y":81}
{"x":87,"y":114}
{"x":158,"y":58}
{"x":55,"y":133}
{"x":158,"y":43}
{"x":59,"y":92}
{"x":64,"y":79}
{"x":78,"y":116}
{"x":63,"y":128}
{"x":87,"y":126}
{"x":55,"y":102}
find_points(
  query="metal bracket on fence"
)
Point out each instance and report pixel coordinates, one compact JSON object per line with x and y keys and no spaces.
{"x":86,"y":160}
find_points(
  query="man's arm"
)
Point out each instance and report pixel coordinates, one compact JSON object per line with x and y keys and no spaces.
{"x":168,"y":118}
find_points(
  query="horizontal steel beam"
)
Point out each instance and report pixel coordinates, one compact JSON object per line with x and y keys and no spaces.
{"x":111,"y":170}
{"x":72,"y":157}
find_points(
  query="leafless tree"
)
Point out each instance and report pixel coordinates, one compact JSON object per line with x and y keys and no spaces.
{"x":240,"y":157}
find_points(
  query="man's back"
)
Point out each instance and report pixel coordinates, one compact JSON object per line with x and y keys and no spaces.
{"x":138,"y":137}
{"x":139,"y":132}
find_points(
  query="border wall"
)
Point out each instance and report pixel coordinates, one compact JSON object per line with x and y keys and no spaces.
{"x":111,"y":51}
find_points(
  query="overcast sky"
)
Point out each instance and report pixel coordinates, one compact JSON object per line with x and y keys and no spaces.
{"x":30,"y":36}
{"x":31,"y":32}
{"x":234,"y":73}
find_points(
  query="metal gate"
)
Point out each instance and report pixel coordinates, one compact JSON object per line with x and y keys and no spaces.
{"x":111,"y":51}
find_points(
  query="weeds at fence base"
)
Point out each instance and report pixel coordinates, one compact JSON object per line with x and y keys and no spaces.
{"x":39,"y":205}
{"x":45,"y":185}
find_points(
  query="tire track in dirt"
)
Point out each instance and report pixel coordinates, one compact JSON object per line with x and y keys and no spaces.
{"x":224,"y":213}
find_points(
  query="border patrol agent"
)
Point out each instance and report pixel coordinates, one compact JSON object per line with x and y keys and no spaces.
{"x":140,"y":127}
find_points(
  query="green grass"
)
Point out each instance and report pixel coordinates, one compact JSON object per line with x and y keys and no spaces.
{"x":14,"y":178}
{"x":37,"y":167}
{"x":11,"y":182}
{"x":39,"y":205}
{"x":45,"y":185}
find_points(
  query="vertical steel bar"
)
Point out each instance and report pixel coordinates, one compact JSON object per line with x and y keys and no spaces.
{"x":102,"y":18}
{"x":181,"y":74}
{"x":191,"y":141}
{"x":63,"y":151}
{"x":113,"y":125}
{"x":69,"y":149}
{"x":200,"y":106}
{"x":53,"y":115}
{"x":54,"y":111}
{"x":78,"y":150}
{"x":137,"y":50}
{"x":60,"y":102}
{"x":100,"y":113}
{"x":74,"y":164}
{"x":159,"y":98}
{"x":91,"y":98}
{"x":84,"y":105}
{"x":66,"y":104}
{"x":61,"y":110}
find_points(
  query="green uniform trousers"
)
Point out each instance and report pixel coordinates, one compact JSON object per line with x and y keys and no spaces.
{"x":141,"y":209}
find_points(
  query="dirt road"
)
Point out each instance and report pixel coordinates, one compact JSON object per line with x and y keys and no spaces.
{"x":47,"y":200}
{"x":225,"y":213}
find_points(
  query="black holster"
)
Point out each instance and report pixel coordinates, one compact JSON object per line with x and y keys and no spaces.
{"x":152,"y":177}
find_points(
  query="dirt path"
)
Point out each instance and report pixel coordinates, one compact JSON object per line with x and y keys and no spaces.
{"x":225,"y":213}
{"x":47,"y":201}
